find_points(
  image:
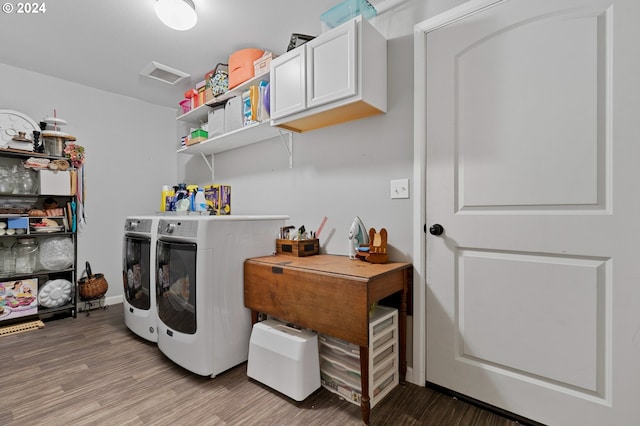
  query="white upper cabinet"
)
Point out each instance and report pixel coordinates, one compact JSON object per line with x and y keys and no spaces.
{"x":332,"y":66}
{"x":339,"y":76}
{"x":289,"y":77}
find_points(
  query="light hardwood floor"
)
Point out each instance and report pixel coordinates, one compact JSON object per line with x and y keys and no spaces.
{"x":92,"y":370}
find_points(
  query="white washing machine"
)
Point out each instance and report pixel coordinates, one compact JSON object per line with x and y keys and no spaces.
{"x":203,"y":324}
{"x":138,"y":275}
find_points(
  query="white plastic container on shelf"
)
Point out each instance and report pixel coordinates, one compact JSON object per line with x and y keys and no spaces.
{"x":216,"y":121}
{"x":284,"y":358}
{"x":340,"y":361}
{"x":200,"y":203}
{"x":233,"y":119}
{"x":56,"y":182}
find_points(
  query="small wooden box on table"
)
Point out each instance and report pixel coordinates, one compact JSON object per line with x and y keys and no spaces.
{"x":297,"y":248}
{"x":331,"y":295}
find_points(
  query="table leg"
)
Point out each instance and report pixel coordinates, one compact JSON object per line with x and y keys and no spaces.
{"x":254,"y":317}
{"x":403,"y":328}
{"x":365,"y":403}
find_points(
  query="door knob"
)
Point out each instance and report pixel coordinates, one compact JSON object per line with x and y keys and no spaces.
{"x":436,"y":229}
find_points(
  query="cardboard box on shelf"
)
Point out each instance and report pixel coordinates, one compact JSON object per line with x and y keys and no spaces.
{"x":200,"y":88}
{"x":224,"y":207}
{"x":211,"y":197}
{"x":198,"y":135}
{"x":261,"y":65}
{"x":218,"y":197}
{"x":208,"y":94}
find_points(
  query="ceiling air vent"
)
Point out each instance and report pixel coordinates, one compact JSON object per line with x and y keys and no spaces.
{"x":163,"y":73}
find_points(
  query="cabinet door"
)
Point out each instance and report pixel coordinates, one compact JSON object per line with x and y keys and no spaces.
{"x":332,"y":65}
{"x":288,"y":83}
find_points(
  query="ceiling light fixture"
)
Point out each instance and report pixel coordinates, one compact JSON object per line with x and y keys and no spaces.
{"x":177,"y":14}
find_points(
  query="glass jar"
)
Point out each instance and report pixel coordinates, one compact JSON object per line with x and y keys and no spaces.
{"x":6,"y":180}
{"x":24,"y":181}
{"x":26,"y":252}
{"x":7,"y":260}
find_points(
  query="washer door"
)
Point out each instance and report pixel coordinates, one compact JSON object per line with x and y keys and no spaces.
{"x":136,"y":271}
{"x":176,"y":285}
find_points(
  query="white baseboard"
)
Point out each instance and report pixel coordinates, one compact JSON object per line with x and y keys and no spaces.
{"x":409,"y":378}
{"x":114,"y":300}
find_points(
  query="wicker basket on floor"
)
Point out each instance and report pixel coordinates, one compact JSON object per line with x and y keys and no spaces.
{"x":93,"y":286}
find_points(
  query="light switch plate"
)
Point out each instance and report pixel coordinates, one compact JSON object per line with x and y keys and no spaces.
{"x":400,"y":188}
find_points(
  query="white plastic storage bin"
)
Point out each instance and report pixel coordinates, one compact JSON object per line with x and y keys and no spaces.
{"x":233,"y":114}
{"x":340,"y":360}
{"x":284,"y":358}
{"x":215,"y":121}
{"x":55,"y":182}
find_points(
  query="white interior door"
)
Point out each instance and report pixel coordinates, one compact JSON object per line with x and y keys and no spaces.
{"x":532,"y":169}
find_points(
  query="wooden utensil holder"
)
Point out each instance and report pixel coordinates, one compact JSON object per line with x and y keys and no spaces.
{"x":298,"y":248}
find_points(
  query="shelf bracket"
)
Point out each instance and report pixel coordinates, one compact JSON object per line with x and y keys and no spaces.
{"x":288,"y":145}
{"x":210,"y":165}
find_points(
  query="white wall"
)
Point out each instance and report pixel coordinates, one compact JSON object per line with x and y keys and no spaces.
{"x":340,"y":171}
{"x":130,"y":148}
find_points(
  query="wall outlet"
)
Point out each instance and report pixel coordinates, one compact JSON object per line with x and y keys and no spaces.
{"x":400,"y":188}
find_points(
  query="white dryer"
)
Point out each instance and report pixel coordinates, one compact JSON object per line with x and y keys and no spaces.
{"x":203,"y":324}
{"x":138,"y":275}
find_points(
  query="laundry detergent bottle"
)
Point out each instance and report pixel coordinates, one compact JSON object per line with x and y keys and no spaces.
{"x":200,"y":203}
{"x":167,"y":193}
